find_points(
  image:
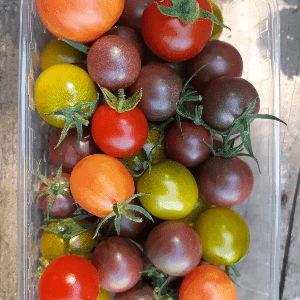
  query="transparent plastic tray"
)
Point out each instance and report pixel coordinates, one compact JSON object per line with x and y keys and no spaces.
{"x":255,"y":33}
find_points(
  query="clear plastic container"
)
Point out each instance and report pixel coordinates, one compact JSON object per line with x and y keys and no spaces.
{"x":255,"y":33}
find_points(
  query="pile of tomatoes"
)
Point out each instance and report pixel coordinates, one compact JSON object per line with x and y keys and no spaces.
{"x":146,"y":107}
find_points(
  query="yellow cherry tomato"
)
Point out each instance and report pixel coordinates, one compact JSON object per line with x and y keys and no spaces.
{"x":53,"y":245}
{"x":59,"y":52}
{"x":217,"y":30}
{"x":103,"y":294}
{"x":63,"y":86}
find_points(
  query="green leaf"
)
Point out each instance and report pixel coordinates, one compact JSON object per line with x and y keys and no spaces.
{"x":140,"y":210}
{"x":118,"y":224}
{"x":42,"y":177}
{"x":49,"y":204}
{"x":80,"y":47}
{"x":139,"y":246}
{"x":264,"y":116}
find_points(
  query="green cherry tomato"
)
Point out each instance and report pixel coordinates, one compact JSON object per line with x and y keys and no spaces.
{"x":201,"y":206}
{"x":172,"y":188}
{"x":59,"y":52}
{"x":224,"y":235}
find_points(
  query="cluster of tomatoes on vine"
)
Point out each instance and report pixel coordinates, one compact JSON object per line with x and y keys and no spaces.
{"x":148,"y":113}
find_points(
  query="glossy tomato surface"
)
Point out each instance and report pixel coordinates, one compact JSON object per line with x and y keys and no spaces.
{"x":161,"y":87}
{"x":170,"y":38}
{"x":62,"y":86}
{"x":224,"y":235}
{"x":189,"y":149}
{"x":79,"y":21}
{"x":69,"y":277}
{"x":98,"y":181}
{"x":225,"y":99}
{"x":223,"y":60}
{"x":119,"y":263}
{"x":140,"y":291}
{"x":207,"y":283}
{"x":119,"y":134}
{"x":174,"y":248}
{"x":172,"y":188}
{"x":113,"y":62}
{"x":225,"y":181}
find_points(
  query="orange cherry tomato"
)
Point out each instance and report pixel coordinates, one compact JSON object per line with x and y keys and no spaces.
{"x":207,"y":282}
{"x":98,"y":181}
{"x":77,"y":20}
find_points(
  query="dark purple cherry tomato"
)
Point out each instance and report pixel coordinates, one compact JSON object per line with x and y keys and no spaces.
{"x":69,"y":150}
{"x":161,"y":87}
{"x":131,"y":36}
{"x":225,"y":181}
{"x":113,"y":62}
{"x":119,"y":263}
{"x":132,"y":13}
{"x":129,"y":228}
{"x":140,"y":291}
{"x":225,"y":99}
{"x":189,"y":150}
{"x":63,"y":205}
{"x":223,"y":60}
{"x":174,"y":248}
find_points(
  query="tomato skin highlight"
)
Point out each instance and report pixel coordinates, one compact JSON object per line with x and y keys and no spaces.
{"x":119,"y":134}
{"x":170,"y":38}
{"x":98,"y":181}
{"x":79,"y":21}
{"x":69,"y":277}
{"x":207,"y":282}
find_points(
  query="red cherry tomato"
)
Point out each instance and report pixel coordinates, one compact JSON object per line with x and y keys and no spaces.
{"x":69,"y":277}
{"x":170,"y":38}
{"x":119,"y":134}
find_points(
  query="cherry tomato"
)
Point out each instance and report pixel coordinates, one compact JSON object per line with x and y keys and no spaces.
{"x":172,"y":188}
{"x":62,"y":86}
{"x":189,"y":150}
{"x":225,"y":181}
{"x":113,"y":62}
{"x":119,"y":134}
{"x":77,"y":21}
{"x":53,"y":245}
{"x":223,"y":60}
{"x":118,"y":263}
{"x":161,"y":87}
{"x":59,"y":52}
{"x":170,"y":38}
{"x":174,"y":248}
{"x":69,"y":277}
{"x":69,"y":151}
{"x":207,"y":283}
{"x":98,"y":181}
{"x":224,"y":235}
{"x":217,"y":30}
{"x":225,"y":99}
{"x":131,"y":35}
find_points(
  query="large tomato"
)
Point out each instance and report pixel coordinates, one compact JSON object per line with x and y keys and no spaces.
{"x":207,"y":283}
{"x":170,"y":38}
{"x":77,"y":20}
{"x":98,"y":181}
{"x":69,"y":277}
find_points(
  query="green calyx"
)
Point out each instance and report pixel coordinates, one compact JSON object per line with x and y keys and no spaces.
{"x":188,"y":11}
{"x":54,"y":188}
{"x":120,"y":104}
{"x":233,"y":267}
{"x":240,"y":124}
{"x":83,"y":48}
{"x":69,"y":228}
{"x":120,"y":209}
{"x":75,"y":116}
